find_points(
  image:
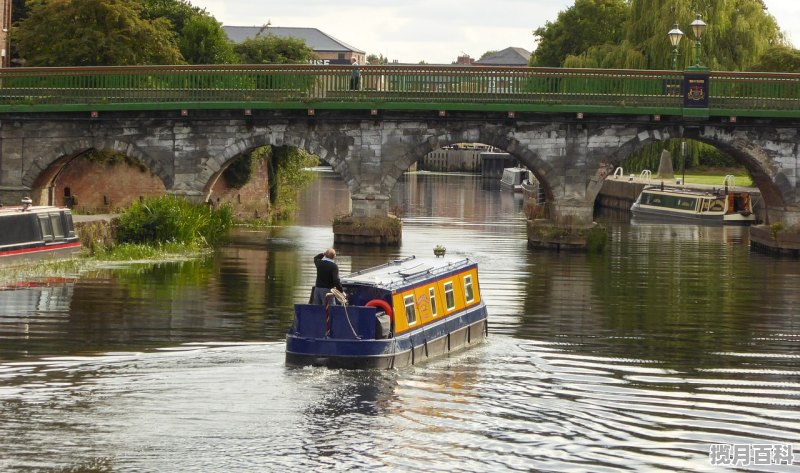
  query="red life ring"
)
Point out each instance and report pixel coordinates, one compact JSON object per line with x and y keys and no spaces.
{"x":377,"y":303}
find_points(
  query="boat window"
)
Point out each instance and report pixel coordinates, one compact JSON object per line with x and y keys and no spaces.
{"x":469,"y":295}
{"x":449,"y":296}
{"x":672,"y":201}
{"x":411,"y":314}
{"x":44,"y":224}
{"x":432,"y":293}
{"x":55,"y":223}
{"x":19,"y":228}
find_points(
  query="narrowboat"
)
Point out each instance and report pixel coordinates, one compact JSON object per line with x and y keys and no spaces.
{"x":513,"y":178}
{"x":31,"y":232}
{"x":723,"y":207}
{"x":397,"y":314}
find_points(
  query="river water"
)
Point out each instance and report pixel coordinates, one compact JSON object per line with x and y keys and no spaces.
{"x":677,"y":343}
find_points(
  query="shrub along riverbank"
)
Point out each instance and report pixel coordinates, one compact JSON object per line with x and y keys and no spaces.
{"x":166,"y":224}
{"x":157,"y":229}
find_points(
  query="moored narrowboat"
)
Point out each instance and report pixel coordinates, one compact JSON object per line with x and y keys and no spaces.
{"x":723,"y":207}
{"x":30,"y":232}
{"x":397,"y":314}
{"x":513,"y":179}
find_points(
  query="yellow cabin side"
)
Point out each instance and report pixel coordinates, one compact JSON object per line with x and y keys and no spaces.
{"x":427,"y":303}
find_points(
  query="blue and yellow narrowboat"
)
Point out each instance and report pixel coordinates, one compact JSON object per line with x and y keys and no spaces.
{"x":397,"y":314}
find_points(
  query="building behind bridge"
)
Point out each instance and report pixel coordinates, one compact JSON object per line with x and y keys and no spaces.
{"x":329,"y":49}
{"x":5,"y":27}
{"x":506,"y":57}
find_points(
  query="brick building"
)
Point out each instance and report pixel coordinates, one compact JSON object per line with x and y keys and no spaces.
{"x":5,"y":23}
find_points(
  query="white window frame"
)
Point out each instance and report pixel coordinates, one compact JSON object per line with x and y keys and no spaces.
{"x":452,"y":294}
{"x":469,"y":290}
{"x":408,"y":302}
{"x":432,"y":295}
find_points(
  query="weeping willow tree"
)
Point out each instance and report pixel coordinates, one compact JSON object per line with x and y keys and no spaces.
{"x":739,"y":33}
{"x":697,"y":154}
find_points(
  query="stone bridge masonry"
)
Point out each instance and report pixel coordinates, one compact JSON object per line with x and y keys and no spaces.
{"x":569,"y":156}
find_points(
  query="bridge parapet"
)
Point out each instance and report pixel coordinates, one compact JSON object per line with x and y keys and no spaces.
{"x":393,"y":87}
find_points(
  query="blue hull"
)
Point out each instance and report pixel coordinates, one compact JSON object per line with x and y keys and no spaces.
{"x":342,"y":347}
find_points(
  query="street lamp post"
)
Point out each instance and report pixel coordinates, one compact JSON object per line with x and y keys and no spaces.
{"x":675,"y":36}
{"x":698,"y":28}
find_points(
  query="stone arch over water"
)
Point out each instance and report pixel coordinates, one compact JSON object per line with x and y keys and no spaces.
{"x":47,"y":167}
{"x":329,"y":144}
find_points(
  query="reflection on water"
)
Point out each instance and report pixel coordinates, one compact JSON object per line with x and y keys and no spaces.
{"x":639,"y":359}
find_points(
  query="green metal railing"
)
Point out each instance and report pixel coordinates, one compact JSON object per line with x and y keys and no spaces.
{"x":519,"y":89}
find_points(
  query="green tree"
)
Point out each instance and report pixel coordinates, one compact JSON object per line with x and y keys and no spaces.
{"x":287,"y":175}
{"x":377,"y":59}
{"x":778,"y":59}
{"x":585,"y":24}
{"x":93,"y":33}
{"x":738,"y":32}
{"x":201,"y":38}
{"x":202,"y":41}
{"x":487,"y":54}
{"x":271,"y":49}
{"x":18,"y":10}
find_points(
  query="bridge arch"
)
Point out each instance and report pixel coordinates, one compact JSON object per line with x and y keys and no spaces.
{"x":499,"y":136}
{"x":751,"y":152}
{"x":46,"y":168}
{"x":762,"y":156}
{"x":331,"y":146}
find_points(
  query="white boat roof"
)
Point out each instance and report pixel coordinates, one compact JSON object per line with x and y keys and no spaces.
{"x":689,"y":191}
{"x":405,"y":272}
{"x":16,"y":209}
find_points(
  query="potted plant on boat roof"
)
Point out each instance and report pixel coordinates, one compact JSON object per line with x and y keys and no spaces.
{"x":439,"y":250}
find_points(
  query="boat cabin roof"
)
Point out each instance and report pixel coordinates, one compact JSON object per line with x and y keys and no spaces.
{"x":406,"y":272}
{"x":717,"y":193}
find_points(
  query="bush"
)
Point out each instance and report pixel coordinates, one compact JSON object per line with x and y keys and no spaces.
{"x":174,"y":219}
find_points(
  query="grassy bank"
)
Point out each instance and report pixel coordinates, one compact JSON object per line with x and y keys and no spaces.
{"x":166,"y":228}
{"x":714,"y":176}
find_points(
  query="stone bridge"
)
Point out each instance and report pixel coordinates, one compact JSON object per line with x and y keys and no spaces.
{"x":569,"y":154}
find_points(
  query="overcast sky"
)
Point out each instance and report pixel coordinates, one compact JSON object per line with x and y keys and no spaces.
{"x":436,"y":31}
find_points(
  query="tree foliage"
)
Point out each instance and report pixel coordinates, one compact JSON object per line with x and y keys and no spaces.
{"x":738,"y":32}
{"x":200,"y":36}
{"x":93,"y":33}
{"x":288,"y":175}
{"x":585,"y":24}
{"x":271,"y":49}
{"x":202,"y":41}
{"x":778,"y":59}
{"x":377,"y":59}
{"x":18,"y":10}
{"x":241,"y":170}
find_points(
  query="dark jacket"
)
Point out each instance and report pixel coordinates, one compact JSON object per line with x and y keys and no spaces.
{"x":327,"y":273}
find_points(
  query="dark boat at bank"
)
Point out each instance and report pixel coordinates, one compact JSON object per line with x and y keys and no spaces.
{"x":400,"y":313}
{"x":33,"y":232}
